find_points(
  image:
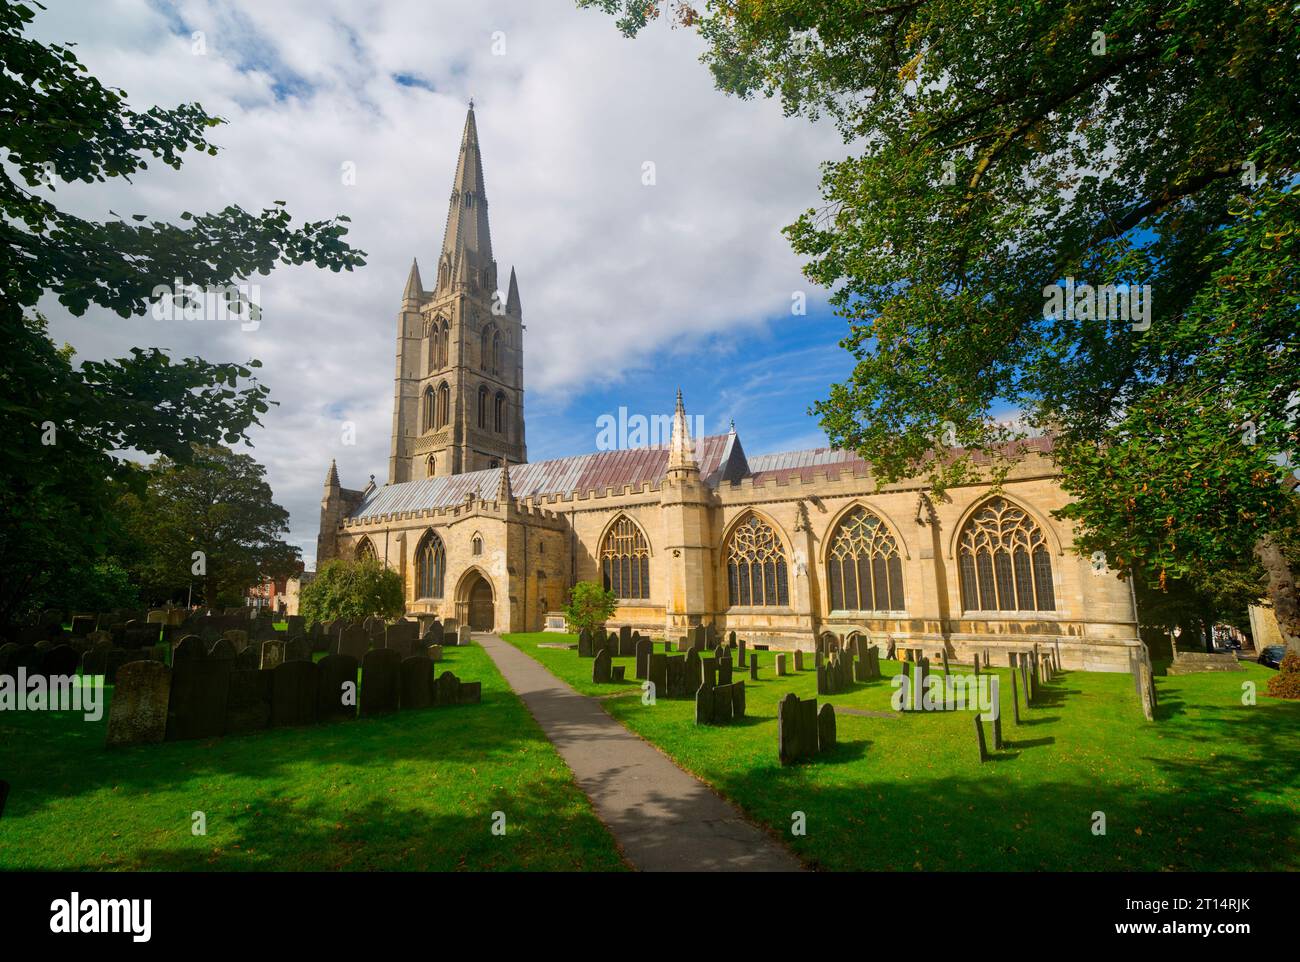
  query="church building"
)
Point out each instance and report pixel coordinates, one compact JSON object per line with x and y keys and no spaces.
{"x":780,"y":548}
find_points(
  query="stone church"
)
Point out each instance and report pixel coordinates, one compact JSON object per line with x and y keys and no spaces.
{"x":781,"y":548}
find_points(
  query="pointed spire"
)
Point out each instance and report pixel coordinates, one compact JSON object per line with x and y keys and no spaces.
{"x":467,"y":215}
{"x":414,"y":288}
{"x":505,"y":495}
{"x":681,"y":452}
{"x":512,"y":296}
{"x":332,"y":476}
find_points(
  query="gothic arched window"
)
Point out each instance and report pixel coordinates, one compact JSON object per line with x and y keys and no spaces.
{"x":500,"y":414}
{"x":863,"y":565}
{"x":444,"y":404}
{"x":756,"y":569}
{"x":485,"y":340}
{"x":364,"y":550}
{"x":428,"y":409}
{"x":483,"y":408}
{"x":443,"y":344}
{"x":625,"y":560}
{"x":430,"y":566}
{"x":430,"y":466}
{"x":1004,"y":561}
{"x":496,"y":352}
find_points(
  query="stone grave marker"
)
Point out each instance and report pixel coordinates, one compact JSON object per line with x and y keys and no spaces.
{"x":798,"y":660}
{"x":137,"y":713}
{"x":678,"y":682}
{"x":417,"y":682}
{"x":585,"y":649}
{"x":60,"y":661}
{"x":354,"y":642}
{"x":709,"y":671}
{"x":381,"y":670}
{"x":294,"y":693}
{"x":826,"y":728}
{"x":248,"y":700}
{"x":704,"y":705}
{"x":780,"y":664}
{"x":463,"y":635}
{"x":336,"y":671}
{"x":753,"y":667}
{"x":643,"y":649}
{"x":199,"y":690}
{"x":724,"y":669}
{"x":600,"y":669}
{"x":979,"y":735}
{"x":272,"y":655}
{"x":657,"y":673}
{"x":297,"y":649}
{"x":1015,"y":698}
{"x":402,"y":637}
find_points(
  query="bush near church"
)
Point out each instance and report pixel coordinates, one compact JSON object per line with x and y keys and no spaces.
{"x":1286,"y":683}
{"x":589,"y":605}
{"x":352,"y":590}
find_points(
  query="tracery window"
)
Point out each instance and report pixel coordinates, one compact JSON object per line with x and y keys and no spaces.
{"x":430,"y":566}
{"x":1004,"y":561}
{"x":863,"y":565}
{"x":444,"y":405}
{"x":483,"y":408}
{"x":625,"y":560}
{"x":756,"y":566}
{"x":365,"y":550}
{"x":428,"y":409}
{"x":500,"y":414}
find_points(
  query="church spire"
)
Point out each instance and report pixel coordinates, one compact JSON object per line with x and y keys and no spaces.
{"x":467,"y":214}
{"x":512,"y":296}
{"x":681,"y":452}
{"x":505,"y":494}
{"x":332,"y":476}
{"x":414,"y":288}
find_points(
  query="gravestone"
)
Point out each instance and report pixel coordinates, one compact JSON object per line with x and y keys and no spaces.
{"x":381,"y":670}
{"x":998,"y":744}
{"x":600,"y":669}
{"x":354,"y":642}
{"x":463,"y":635}
{"x":979,"y":736}
{"x":724,"y":670}
{"x":137,"y":714}
{"x":657,"y":673}
{"x":297,"y":649}
{"x":248,"y":700}
{"x":704,"y":705}
{"x":740,"y":654}
{"x":236,"y":637}
{"x":295,"y":625}
{"x":433,"y":635}
{"x":61,"y":661}
{"x":337,"y":690}
{"x":450,"y":690}
{"x":585,"y":647}
{"x":709,"y":671}
{"x":1015,"y":698}
{"x":780,"y":664}
{"x":223,"y":648}
{"x":625,"y":644}
{"x":94,"y":661}
{"x":753,"y":667}
{"x":722,"y":704}
{"x":272,"y":655}
{"x":797,"y":728}
{"x":417,"y":682}
{"x":643,"y":649}
{"x":738,"y":699}
{"x":294,"y":693}
{"x":825,"y":728}
{"x":977,"y":664}
{"x":798,"y":660}
{"x":199,"y":687}
{"x":82,"y":625}
{"x":1024,"y":683}
{"x":434,"y":652}
{"x":678,"y":682}
{"x":402,"y":637}
{"x":946,"y":669}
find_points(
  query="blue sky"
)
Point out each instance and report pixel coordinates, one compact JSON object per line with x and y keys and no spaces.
{"x":629,"y":291}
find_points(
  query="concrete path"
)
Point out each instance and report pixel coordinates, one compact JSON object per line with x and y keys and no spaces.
{"x":664,"y":819}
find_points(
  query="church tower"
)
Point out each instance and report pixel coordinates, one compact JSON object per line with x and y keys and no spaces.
{"x":458,"y":397}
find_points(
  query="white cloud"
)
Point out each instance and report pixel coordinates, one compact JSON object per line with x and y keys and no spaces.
{"x":612,"y":273}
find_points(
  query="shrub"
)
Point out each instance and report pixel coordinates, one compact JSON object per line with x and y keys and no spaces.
{"x":352,"y":589}
{"x":589,"y":605}
{"x":1286,"y":683}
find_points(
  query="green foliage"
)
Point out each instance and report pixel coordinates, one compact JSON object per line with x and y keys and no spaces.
{"x":352,"y":589}
{"x":65,"y":425}
{"x":218,"y":504}
{"x":96,"y":586}
{"x":589,"y":605}
{"x":1286,"y":683}
{"x":997,"y":152}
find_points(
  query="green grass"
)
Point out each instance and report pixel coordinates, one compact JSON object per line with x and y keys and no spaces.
{"x":413,"y":790}
{"x":1210,"y":785}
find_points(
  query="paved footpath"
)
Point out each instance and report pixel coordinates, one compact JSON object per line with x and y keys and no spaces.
{"x":664,"y":819}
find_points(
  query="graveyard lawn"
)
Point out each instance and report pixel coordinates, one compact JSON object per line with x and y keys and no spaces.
{"x":415,"y":790}
{"x":1211,"y":785}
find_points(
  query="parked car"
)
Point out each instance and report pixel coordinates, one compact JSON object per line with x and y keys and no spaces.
{"x":1271,"y":656}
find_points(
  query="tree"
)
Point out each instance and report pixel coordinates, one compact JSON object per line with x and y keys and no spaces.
{"x":1083,"y":210}
{"x":210,"y":524}
{"x":589,"y":605}
{"x":352,"y":589}
{"x":68,"y":427}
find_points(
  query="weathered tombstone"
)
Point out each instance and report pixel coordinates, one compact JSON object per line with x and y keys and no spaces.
{"x":704,"y":705}
{"x":433,"y":635}
{"x":294,"y":693}
{"x":223,"y":648}
{"x":434,"y":652}
{"x":977,"y":664}
{"x":1024,"y":683}
{"x":997,"y":729}
{"x":295,"y":625}
{"x":402,"y":637}
{"x":798,"y":660}
{"x":137,"y":713}
{"x":585,"y":647}
{"x":94,"y":661}
{"x":753,"y":667}
{"x":826,"y":728}
{"x":446,"y":690}
{"x":780,"y":664}
{"x":678,"y":682}
{"x":643,"y":649}
{"x":600,"y":673}
{"x":82,"y":625}
{"x":709,"y":671}
{"x":248,"y":700}
{"x":380,"y":681}
{"x":354,"y":641}
{"x":417,"y":682}
{"x":979,"y":735}
{"x":297,"y":649}
{"x":738,"y":699}
{"x":199,"y":688}
{"x":463,"y":635}
{"x":657,"y":674}
{"x":1146,"y":690}
{"x":724,"y":670}
{"x":740,"y":654}
{"x":1015,"y":698}
{"x":722,"y":704}
{"x":272,"y":655}
{"x":625,"y":644}
{"x":337,"y":691}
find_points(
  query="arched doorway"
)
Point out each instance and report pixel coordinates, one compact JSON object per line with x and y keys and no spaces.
{"x":476,"y":602}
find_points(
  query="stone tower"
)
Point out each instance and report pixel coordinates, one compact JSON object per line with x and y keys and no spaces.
{"x":458,"y":396}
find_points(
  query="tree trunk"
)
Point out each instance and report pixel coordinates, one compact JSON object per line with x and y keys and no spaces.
{"x":1281,"y":591}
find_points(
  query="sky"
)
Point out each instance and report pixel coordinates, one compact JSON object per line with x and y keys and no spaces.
{"x":629,"y":290}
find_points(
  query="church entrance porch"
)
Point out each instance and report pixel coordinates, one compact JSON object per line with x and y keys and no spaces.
{"x":476,"y":602}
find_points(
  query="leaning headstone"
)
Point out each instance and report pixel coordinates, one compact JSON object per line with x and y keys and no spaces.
{"x":380,"y":681}
{"x":1146,"y":690}
{"x":722,"y":705}
{"x":979,"y":735}
{"x":417,"y":682}
{"x":825,"y":728}
{"x":738,"y":699}
{"x":248,"y":700}
{"x":337,"y":691}
{"x":1015,"y":698}
{"x":643,"y":649}
{"x":704,"y":705}
{"x":600,"y":673}
{"x":998,"y":744}
{"x":137,"y":713}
